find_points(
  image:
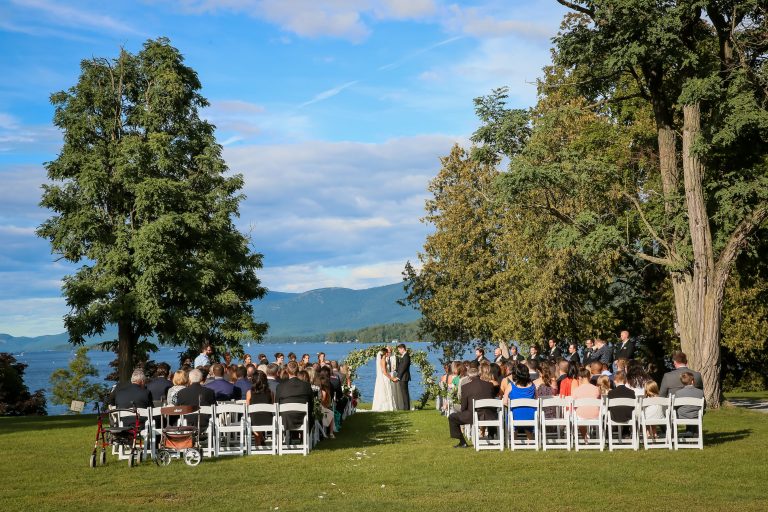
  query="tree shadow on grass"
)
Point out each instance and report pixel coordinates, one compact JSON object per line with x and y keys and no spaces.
{"x":12,"y":425}
{"x":715,"y":438}
{"x":366,"y":429}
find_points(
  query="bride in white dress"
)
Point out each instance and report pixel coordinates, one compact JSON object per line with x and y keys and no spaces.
{"x":384,"y":391}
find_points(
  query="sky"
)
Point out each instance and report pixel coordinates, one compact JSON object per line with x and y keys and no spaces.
{"x":336,"y":112}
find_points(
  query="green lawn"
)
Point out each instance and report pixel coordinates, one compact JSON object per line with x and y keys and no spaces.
{"x":389,"y":461}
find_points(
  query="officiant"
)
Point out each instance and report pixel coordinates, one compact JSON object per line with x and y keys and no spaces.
{"x":403,"y":375}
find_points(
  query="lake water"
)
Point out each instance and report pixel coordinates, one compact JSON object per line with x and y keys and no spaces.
{"x":40,"y":365}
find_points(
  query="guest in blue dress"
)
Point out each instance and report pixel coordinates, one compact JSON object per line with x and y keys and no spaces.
{"x":522,"y":387}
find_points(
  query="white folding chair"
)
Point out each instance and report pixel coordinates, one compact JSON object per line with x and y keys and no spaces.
{"x":650,"y":442}
{"x":497,"y":423}
{"x":209,"y":448}
{"x":284,"y":444}
{"x":589,"y":423}
{"x":127,"y":418}
{"x":523,"y":443}
{"x":560,"y":422}
{"x":619,"y":425}
{"x":147,"y":433}
{"x":230,"y":429}
{"x":269,"y":430}
{"x":689,"y":442}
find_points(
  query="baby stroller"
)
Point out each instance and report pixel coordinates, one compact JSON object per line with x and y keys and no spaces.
{"x":122,"y":435}
{"x":179,"y":441}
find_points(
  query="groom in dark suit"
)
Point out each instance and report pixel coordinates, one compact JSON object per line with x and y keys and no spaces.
{"x":403,"y":372}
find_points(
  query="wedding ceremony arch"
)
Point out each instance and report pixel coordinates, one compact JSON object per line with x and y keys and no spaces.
{"x":359,"y":357}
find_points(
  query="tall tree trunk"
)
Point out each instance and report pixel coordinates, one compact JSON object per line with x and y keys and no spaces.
{"x":126,"y":338}
{"x":698,"y":291}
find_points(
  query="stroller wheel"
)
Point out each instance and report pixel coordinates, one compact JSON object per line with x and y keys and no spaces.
{"x":163,"y":458}
{"x":192,"y":457}
{"x":92,"y":460}
{"x":103,"y":457}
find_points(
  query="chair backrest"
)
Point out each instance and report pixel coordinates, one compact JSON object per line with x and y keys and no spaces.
{"x":588,"y":402}
{"x":657,"y":400}
{"x":556,"y":401}
{"x":523,"y":402}
{"x":621,"y":402}
{"x":689,"y":402}
{"x":228,"y":407}
{"x":487,"y":403}
{"x":178,"y":410}
{"x":294,"y":408}
{"x":252,"y":408}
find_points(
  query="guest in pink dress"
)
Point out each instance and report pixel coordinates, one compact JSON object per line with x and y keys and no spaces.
{"x":585,"y":390}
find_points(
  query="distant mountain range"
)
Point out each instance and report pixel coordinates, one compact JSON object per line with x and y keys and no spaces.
{"x":290,"y":315}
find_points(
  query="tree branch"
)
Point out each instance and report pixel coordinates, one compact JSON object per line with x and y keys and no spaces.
{"x":648,"y":226}
{"x":578,"y":8}
{"x":737,"y":240}
{"x":647,"y":257}
{"x":616,"y":99}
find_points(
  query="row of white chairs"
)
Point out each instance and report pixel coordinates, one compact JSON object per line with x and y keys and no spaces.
{"x":230,"y":430}
{"x":556,"y":424}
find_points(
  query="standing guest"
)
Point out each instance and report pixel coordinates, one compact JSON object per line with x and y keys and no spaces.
{"x":589,"y":352}
{"x":224,"y":389}
{"x":263,"y":359}
{"x":227,"y":361}
{"x":247,"y":360}
{"x":259,"y":393}
{"x":514,"y":355}
{"x":573,"y":353}
{"x":498,"y":356}
{"x":321,"y":358}
{"x":180,"y":381}
{"x":279,"y":359}
{"x":204,"y":358}
{"x":133,"y":394}
{"x":586,"y":390}
{"x":197,"y":395}
{"x":554,"y":352}
{"x":293,"y":390}
{"x":625,"y":349}
{"x":534,"y":353}
{"x":480,"y":355}
{"x":242,"y":385}
{"x":305,"y":359}
{"x":160,"y":385}
{"x":473,"y":389}
{"x":671,"y":383}
{"x":291,"y":356}
{"x":602,"y":353}
{"x":272,"y":371}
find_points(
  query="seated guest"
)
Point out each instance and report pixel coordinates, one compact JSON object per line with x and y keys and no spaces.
{"x":562,"y":371}
{"x":326,"y":398}
{"x":522,"y":387}
{"x":671,"y":383}
{"x":622,"y":413}
{"x":295,"y":391}
{"x":689,"y":390}
{"x":637,"y":378}
{"x":271,"y":372}
{"x":604,"y":383}
{"x":250,"y":371}
{"x":652,"y":412}
{"x":533,"y":368}
{"x":197,"y":395}
{"x":132,"y":394}
{"x":259,"y":393}
{"x":596,"y":370}
{"x":474,"y":389}
{"x":160,"y":385}
{"x":585,"y":390}
{"x":180,"y":381}
{"x":227,"y":361}
{"x":242,"y":384}
{"x":545,"y":384}
{"x":570,"y":381}
{"x":224,"y":389}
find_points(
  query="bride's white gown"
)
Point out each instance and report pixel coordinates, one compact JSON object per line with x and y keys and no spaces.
{"x":385,"y":393}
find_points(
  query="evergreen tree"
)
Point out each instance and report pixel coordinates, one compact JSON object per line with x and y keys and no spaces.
{"x":142,"y":199}
{"x":73,"y":383}
{"x":15,"y":398}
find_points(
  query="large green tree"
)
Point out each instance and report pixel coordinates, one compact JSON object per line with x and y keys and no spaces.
{"x":143,"y":201}
{"x":700,"y":69}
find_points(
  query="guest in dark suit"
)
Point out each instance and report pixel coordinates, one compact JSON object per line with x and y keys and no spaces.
{"x":554,"y":351}
{"x":625,"y":349}
{"x":480,"y":355}
{"x":498,"y":356}
{"x":602,"y":353}
{"x":514,"y":355}
{"x":670,"y":383}
{"x":474,"y":389}
{"x":403,"y":370}
{"x":224,"y":389}
{"x":535,"y":354}
{"x":160,"y":385}
{"x":197,"y":395}
{"x":589,"y":352}
{"x":132,"y":394}
{"x":295,"y":391}
{"x":272,"y":379}
{"x":621,"y":413}
{"x":242,"y":384}
{"x":573,"y":353}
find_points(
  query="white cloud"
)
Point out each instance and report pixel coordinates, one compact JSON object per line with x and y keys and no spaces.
{"x":478,"y":23}
{"x":68,"y":16}
{"x":300,"y":278}
{"x":32,"y":317}
{"x":405,"y":9}
{"x":330,"y":93}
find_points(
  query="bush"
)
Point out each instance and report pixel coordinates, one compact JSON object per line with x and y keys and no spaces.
{"x":15,"y":398}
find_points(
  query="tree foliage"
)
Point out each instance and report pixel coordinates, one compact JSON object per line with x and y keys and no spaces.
{"x":15,"y":398}
{"x":142,"y":200}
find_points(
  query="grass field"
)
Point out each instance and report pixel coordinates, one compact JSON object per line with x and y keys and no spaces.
{"x":389,"y":461}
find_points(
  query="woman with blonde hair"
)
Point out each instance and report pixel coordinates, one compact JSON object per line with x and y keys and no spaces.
{"x":604,"y":383}
{"x":180,"y":381}
{"x":652,"y":412}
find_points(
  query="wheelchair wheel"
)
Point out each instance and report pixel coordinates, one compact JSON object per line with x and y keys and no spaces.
{"x":103,"y":457}
{"x":92,"y":460}
{"x":163,"y":458}
{"x":192,"y":457}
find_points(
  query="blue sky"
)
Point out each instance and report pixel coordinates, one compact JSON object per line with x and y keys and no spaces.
{"x":335,"y":111}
